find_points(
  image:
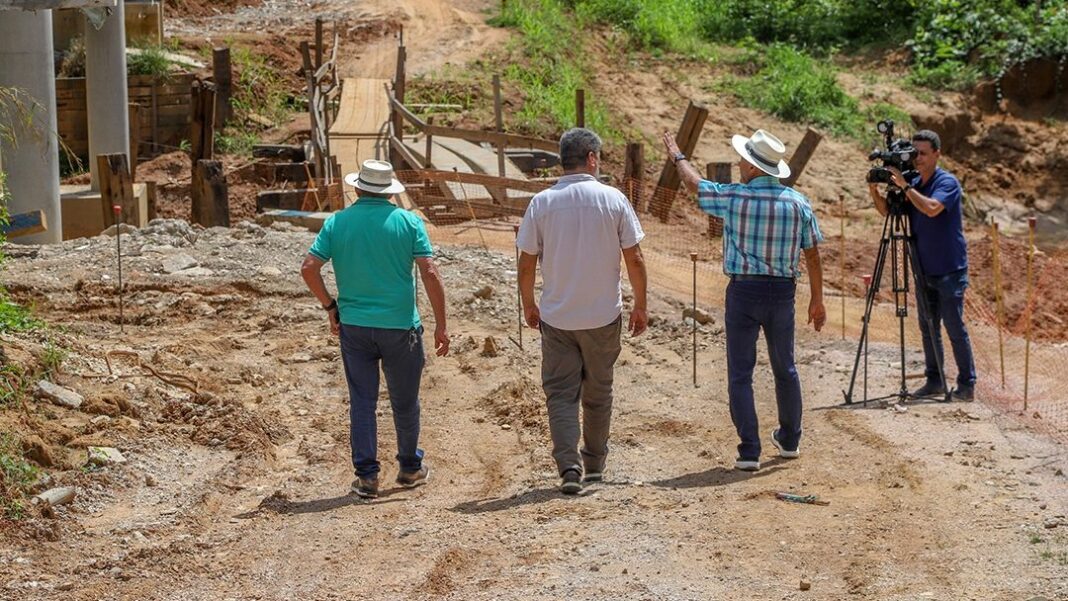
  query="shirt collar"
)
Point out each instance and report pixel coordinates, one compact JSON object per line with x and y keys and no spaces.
{"x":372,"y":200}
{"x":765,"y":179}
{"x":577,"y":177}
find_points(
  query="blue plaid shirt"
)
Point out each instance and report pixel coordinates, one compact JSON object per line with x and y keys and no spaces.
{"x":765,"y":225}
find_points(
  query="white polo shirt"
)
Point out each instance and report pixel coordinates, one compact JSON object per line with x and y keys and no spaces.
{"x":578,"y":228}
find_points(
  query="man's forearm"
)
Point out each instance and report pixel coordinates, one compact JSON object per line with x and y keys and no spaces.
{"x":689,"y":175}
{"x":815,"y":273}
{"x":927,"y":206}
{"x":527,"y":267}
{"x":879,"y":200}
{"x":638,"y":278}
{"x":435,"y":291}
{"x":313,"y":278}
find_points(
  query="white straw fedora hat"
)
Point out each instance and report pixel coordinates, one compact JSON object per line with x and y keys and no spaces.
{"x":375,"y":176}
{"x":764,"y":151}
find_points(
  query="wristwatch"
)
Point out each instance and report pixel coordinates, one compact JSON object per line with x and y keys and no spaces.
{"x":332,"y":306}
{"x":678,"y":156}
{"x":906,"y":189}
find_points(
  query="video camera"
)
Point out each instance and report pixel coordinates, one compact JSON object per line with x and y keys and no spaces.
{"x":899,"y":153}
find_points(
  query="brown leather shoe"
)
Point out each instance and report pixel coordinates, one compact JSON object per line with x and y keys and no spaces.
{"x":413,"y":479}
{"x":366,"y":488}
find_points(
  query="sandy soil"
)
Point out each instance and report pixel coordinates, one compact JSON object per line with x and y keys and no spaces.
{"x":240,"y":490}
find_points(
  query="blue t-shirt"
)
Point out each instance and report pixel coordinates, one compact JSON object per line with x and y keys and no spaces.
{"x":373,"y":245}
{"x":940,"y":239}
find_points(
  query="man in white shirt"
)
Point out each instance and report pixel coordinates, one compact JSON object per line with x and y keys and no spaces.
{"x":577,"y":229}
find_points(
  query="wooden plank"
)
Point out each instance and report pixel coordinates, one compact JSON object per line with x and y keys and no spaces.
{"x":116,"y":189}
{"x":24,"y":224}
{"x":634,"y":175}
{"x":689,"y":133}
{"x":134,"y":115}
{"x":210,"y":200}
{"x":801,"y":156}
{"x":580,"y":108}
{"x":202,"y":130}
{"x":437,"y":175}
{"x":312,"y":220}
{"x":364,"y":108}
{"x":222,"y":74}
{"x":399,"y":86}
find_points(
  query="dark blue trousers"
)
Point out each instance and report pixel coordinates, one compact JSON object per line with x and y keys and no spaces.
{"x":753,"y":306}
{"x":400,"y":353}
{"x":945,"y":303}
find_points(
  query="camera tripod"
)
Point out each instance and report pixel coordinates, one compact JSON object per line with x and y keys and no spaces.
{"x":898,"y":244}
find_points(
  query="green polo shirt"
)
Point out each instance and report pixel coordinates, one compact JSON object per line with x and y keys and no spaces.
{"x":373,"y":244}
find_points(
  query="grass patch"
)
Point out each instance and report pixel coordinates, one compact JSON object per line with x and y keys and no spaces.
{"x":16,"y":477}
{"x":234,"y":140}
{"x":550,"y":69}
{"x":150,"y":60}
{"x":799,"y":88}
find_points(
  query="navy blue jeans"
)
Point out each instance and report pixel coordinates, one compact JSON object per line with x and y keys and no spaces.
{"x":753,"y":306}
{"x":945,"y":304}
{"x":400,"y":353}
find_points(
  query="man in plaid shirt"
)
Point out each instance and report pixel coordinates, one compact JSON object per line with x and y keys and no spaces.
{"x":766,"y":227}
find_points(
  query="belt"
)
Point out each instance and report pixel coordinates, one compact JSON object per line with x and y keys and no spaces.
{"x":740,"y":277}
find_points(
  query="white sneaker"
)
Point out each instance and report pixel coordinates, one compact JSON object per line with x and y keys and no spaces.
{"x":747,"y":465}
{"x":794,"y":454}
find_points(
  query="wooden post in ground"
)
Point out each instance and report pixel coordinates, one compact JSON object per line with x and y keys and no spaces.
{"x":1030,"y":304}
{"x":211,"y":204}
{"x":801,"y":156}
{"x":222,"y":75}
{"x":995,"y":244}
{"x":580,"y":108}
{"x":633,"y":174}
{"x":116,"y":188}
{"x":429,"y":144}
{"x":841,"y":256}
{"x":498,"y":113}
{"x":689,"y":132}
{"x":719,"y":173}
{"x":135,"y":137}
{"x":318,"y":42}
{"x":153,"y":199}
{"x":398,"y":93}
{"x":202,"y":129}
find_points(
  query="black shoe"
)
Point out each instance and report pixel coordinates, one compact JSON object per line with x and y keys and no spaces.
{"x":783,"y":451}
{"x":964,"y":393}
{"x":571,"y":482}
{"x":928,"y":389}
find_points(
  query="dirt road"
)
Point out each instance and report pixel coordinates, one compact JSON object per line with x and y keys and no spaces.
{"x":240,"y":492}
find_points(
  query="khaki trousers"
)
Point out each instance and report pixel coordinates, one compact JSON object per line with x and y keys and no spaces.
{"x":578,"y":365}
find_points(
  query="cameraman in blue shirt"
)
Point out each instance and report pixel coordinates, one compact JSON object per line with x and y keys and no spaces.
{"x":935,"y":213}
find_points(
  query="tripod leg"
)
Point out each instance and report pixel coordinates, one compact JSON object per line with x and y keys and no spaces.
{"x":869,"y":302}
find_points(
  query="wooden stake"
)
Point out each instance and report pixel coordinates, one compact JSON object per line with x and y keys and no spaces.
{"x":429,"y":144}
{"x":117,"y":210}
{"x":1030,"y":299}
{"x":222,"y":75}
{"x":202,"y":130}
{"x":518,"y":291}
{"x":580,"y":108}
{"x":634,"y":173}
{"x":689,"y":132}
{"x":841,"y":257}
{"x":995,"y":244}
{"x":693,"y":316}
{"x":398,"y":89}
{"x":116,"y":188}
{"x":498,"y":113}
{"x":801,"y":156}
{"x":318,"y":42}
{"x":211,"y":204}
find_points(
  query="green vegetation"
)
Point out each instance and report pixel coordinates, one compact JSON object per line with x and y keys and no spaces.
{"x":796,"y":87}
{"x":258,"y":88}
{"x":16,"y":477}
{"x":150,"y":60}
{"x":551,"y":69}
{"x":953,"y":42}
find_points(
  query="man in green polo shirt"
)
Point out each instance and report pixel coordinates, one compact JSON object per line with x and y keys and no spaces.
{"x":373,"y":244}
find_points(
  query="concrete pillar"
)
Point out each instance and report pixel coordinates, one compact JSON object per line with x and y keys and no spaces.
{"x":32,"y":162}
{"x":106,"y":97}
